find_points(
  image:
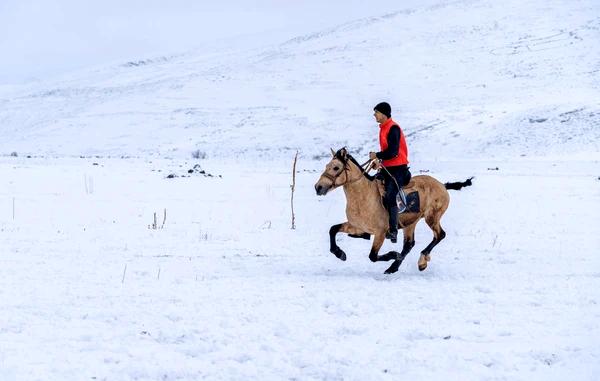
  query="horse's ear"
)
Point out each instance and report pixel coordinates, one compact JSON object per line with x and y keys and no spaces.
{"x":332,"y":152}
{"x":344,"y":153}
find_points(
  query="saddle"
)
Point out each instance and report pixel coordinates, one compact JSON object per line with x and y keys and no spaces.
{"x":407,"y":198}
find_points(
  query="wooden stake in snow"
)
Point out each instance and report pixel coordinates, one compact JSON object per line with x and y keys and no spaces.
{"x":293,"y":186}
{"x":13,"y":208}
{"x":89,"y":184}
{"x":124,"y":271}
{"x":154,"y":224}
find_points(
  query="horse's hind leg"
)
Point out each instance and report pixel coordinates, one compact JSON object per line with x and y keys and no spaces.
{"x":409,"y":243}
{"x":433,"y":220}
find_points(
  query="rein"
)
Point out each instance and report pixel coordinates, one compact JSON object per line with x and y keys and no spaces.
{"x":368,"y":163}
{"x":393,"y":178}
{"x":363,"y":170}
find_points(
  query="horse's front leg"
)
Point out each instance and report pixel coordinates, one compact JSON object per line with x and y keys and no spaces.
{"x":377,"y":243}
{"x":389,"y":256}
{"x":333,"y":247}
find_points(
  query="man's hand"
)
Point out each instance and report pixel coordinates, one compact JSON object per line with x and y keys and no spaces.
{"x":375,"y":164}
{"x":372,"y":155}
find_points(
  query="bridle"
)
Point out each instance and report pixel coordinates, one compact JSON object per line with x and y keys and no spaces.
{"x":334,"y":178}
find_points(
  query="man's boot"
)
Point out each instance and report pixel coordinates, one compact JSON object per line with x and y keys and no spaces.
{"x":392,"y":233}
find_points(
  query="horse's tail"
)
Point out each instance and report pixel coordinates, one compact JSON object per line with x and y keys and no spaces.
{"x":459,"y":185}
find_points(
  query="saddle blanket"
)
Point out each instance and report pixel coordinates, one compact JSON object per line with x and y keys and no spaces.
{"x":412,"y":203}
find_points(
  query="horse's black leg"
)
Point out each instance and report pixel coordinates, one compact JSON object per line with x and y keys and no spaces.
{"x":438,"y":235}
{"x":434,"y":242}
{"x":394,"y":255}
{"x":333,"y":247}
{"x":366,"y":236}
{"x":391,"y":255}
{"x":409,"y":243}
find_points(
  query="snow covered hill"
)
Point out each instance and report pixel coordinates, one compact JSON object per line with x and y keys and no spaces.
{"x":465,"y":78}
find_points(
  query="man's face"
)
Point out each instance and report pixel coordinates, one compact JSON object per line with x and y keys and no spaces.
{"x":379,"y":117}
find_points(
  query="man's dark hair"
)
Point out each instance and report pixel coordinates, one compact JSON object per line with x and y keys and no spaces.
{"x":384,"y":108}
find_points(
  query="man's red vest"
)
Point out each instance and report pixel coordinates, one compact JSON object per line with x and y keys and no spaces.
{"x":384,"y":130}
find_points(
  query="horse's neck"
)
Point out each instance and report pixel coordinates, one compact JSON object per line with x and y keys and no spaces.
{"x":360,"y":189}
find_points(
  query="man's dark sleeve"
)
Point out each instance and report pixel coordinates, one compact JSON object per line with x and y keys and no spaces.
{"x":393,"y":141}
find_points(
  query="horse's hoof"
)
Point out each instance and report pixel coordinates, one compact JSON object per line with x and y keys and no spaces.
{"x":393,"y":268}
{"x":423,"y":259}
{"x":339,"y":253}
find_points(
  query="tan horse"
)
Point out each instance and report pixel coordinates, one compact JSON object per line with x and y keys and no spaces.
{"x":367,"y":215}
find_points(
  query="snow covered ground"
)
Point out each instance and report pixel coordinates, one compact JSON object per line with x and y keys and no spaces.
{"x":226,"y":290}
{"x":223,"y":289}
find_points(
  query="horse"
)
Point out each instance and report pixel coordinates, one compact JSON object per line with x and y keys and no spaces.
{"x":367,"y":215}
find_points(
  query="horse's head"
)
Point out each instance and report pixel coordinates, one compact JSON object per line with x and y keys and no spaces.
{"x":335,"y":174}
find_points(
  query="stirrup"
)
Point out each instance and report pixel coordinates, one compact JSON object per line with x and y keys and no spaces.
{"x":401,"y":201}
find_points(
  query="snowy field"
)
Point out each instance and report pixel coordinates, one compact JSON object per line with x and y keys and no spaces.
{"x":226,"y":290}
{"x":223,"y":289}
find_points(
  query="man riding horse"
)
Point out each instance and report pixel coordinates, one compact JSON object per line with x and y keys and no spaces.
{"x":394,"y":159}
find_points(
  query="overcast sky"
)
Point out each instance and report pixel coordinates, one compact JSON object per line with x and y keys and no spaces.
{"x":41,"y":38}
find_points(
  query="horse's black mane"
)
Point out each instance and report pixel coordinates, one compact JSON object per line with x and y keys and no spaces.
{"x":339,"y":156}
